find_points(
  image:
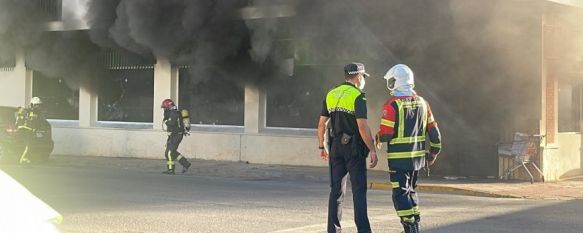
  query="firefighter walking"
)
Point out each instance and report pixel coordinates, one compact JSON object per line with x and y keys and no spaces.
{"x":406,"y":125}
{"x":177,"y":125}
{"x":27,"y":123}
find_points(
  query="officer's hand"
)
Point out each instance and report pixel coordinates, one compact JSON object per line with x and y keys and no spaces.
{"x":373,"y":159}
{"x":324,"y":155}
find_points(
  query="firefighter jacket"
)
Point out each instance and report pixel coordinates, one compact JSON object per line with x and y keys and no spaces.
{"x":28,"y":119}
{"x":173,"y":121}
{"x":407,"y":124}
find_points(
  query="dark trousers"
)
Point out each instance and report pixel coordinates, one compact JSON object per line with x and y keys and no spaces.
{"x":405,"y":197}
{"x":172,"y":153}
{"x":341,"y":164}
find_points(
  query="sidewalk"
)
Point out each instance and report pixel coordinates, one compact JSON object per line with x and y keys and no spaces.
{"x":563,"y":190}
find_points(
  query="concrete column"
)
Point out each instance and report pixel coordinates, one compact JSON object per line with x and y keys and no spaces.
{"x":20,"y":89}
{"x":165,"y":86}
{"x":255,"y":109}
{"x":88,"y":103}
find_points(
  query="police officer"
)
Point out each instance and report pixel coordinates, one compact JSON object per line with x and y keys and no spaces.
{"x":27,"y":123}
{"x":176,"y":129}
{"x":406,"y":124}
{"x":350,"y":143}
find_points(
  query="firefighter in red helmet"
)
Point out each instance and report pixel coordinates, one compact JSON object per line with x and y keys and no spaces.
{"x":177,"y":125}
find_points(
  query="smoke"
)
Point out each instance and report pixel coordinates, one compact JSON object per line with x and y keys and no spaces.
{"x":201,"y":34}
{"x":67,"y":55}
{"x":20,"y":26}
{"x":477,"y":62}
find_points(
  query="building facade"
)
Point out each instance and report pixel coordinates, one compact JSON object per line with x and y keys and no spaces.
{"x":487,"y":71}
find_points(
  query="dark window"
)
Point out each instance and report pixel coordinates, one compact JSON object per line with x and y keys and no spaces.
{"x":570,"y":104}
{"x":7,"y":63}
{"x":51,"y":10}
{"x":128,"y":96}
{"x":214,"y":100}
{"x":296,"y":102}
{"x":59,"y":100}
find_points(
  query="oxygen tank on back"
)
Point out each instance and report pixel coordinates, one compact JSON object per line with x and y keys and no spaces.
{"x":185,"y":119}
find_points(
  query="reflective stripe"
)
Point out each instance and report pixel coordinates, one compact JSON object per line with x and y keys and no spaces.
{"x":24,"y":127}
{"x":436,"y":145}
{"x":401,"y":119}
{"x":342,"y":99}
{"x":416,"y":210}
{"x":395,"y":185}
{"x":424,"y":116}
{"x":170,"y":163}
{"x":431,"y":119}
{"x":405,"y":155}
{"x":403,"y":213}
{"x":413,"y":211}
{"x":408,"y":140}
{"x":387,"y":123}
{"x":23,"y":158}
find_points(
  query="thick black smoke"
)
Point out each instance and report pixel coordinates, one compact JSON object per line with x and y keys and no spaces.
{"x":201,"y":34}
{"x":475,"y":61}
{"x":67,"y":55}
{"x":20,"y":26}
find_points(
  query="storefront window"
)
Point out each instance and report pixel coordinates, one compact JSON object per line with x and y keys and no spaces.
{"x":214,"y":100}
{"x":296,"y":101}
{"x":59,"y":100}
{"x":128,"y":96}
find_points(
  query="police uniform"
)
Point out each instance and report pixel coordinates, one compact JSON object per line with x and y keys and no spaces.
{"x":176,"y":129}
{"x":343,"y":105}
{"x":407,"y":123}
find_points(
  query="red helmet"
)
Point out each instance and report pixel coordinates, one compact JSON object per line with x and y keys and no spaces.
{"x":167,"y":104}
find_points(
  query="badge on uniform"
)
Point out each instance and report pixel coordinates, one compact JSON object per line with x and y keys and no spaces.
{"x":345,"y":139}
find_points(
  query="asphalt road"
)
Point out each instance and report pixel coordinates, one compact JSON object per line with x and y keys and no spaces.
{"x":98,"y":199}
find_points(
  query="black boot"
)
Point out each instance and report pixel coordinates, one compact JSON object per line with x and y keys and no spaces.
{"x":169,"y":172}
{"x":185,"y":164}
{"x":410,"y":225}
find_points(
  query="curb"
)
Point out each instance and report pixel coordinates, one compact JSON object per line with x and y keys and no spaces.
{"x":443,"y":189}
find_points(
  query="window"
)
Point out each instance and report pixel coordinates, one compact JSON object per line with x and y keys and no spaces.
{"x":128,"y":96}
{"x":59,"y":100}
{"x":51,"y":10}
{"x":296,"y":102}
{"x":7,"y":63}
{"x":570,"y":104}
{"x":214,"y":100}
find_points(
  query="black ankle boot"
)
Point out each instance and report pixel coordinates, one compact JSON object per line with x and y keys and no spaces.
{"x":185,"y":164}
{"x":169,"y":172}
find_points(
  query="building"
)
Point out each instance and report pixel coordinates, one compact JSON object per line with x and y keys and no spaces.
{"x":489,"y":69}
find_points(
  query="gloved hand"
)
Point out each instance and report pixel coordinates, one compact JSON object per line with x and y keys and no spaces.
{"x":429,"y":158}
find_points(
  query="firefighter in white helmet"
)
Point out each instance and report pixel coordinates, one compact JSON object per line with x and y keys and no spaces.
{"x":27,"y":122}
{"x":406,"y":125}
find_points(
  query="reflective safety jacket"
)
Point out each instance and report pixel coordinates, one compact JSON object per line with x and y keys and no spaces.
{"x":406,"y":124}
{"x":344,"y":104}
{"x":28,"y":119}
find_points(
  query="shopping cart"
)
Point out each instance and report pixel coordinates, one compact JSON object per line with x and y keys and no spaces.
{"x":522,"y":150}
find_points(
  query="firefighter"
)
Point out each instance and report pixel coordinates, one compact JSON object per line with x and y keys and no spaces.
{"x":176,"y":128}
{"x":407,"y":125}
{"x":350,"y":143}
{"x":27,"y":123}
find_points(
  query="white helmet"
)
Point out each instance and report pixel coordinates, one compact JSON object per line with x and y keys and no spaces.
{"x":35,"y":101}
{"x":402,"y":75}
